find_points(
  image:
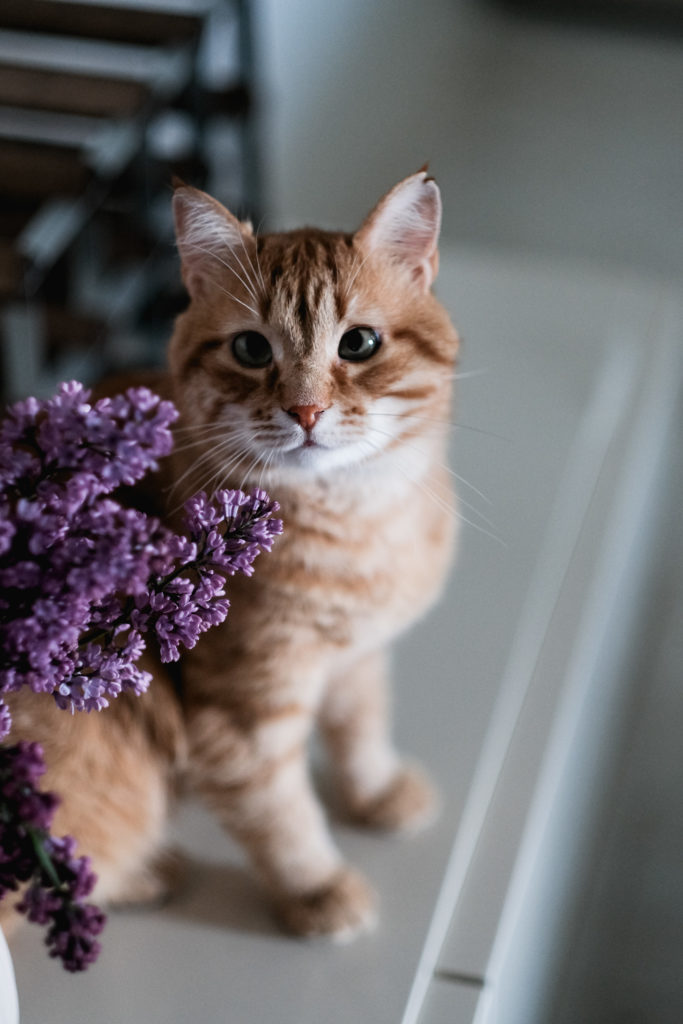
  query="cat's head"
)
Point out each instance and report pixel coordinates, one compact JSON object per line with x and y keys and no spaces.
{"x":311,"y":350}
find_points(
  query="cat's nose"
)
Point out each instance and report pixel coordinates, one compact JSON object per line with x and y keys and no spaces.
{"x":306,"y":415}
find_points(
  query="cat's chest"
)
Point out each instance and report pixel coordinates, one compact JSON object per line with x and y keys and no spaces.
{"x":354,"y":570}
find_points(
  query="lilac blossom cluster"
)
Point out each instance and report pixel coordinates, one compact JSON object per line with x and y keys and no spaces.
{"x":83,"y":579}
{"x":67,"y":550}
{"x":55,"y":883}
{"x":84,"y":583}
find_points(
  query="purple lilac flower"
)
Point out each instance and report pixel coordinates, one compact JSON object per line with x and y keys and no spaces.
{"x":5,"y":720}
{"x":78,"y":569}
{"x":227,"y":532}
{"x":83,"y":582}
{"x":24,"y":808}
{"x":55,"y":881}
{"x":69,"y":554}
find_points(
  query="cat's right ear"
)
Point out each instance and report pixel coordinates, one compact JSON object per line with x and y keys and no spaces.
{"x":404,"y":227}
{"x":207,"y":234}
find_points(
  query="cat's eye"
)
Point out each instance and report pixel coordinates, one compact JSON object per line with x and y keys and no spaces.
{"x":251,"y":349}
{"x":359,"y":343}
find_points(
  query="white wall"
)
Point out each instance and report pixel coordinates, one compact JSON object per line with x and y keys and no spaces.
{"x":548,"y":137}
{"x":354,"y":100}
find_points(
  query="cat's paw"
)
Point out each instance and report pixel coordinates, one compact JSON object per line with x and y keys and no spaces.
{"x":341,"y":909}
{"x":152,"y":885}
{"x":408,"y":804}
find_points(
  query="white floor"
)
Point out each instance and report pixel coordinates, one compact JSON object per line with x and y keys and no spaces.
{"x":624,"y":955}
{"x":560,"y":156}
{"x":530,"y":436}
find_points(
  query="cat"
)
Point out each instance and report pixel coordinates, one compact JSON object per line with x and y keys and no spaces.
{"x":317,"y":365}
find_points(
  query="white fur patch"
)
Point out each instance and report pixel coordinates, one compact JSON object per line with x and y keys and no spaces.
{"x":205,"y":232}
{"x":407,"y":221}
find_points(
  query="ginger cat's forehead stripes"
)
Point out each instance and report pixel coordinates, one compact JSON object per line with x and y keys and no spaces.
{"x":306,"y":270}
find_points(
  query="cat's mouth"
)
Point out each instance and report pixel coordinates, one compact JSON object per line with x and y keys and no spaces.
{"x":311,"y":453}
{"x":320,"y":454}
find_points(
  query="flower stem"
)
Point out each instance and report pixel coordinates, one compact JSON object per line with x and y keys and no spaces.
{"x":37,"y":839}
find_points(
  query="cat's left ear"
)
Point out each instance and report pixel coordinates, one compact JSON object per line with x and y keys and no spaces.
{"x":207,"y":234}
{"x":405,"y":227}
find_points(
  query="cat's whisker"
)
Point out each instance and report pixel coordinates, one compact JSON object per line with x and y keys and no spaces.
{"x":221,"y":473}
{"x":226,"y":442}
{"x":225,"y":291}
{"x":228,"y":266}
{"x":228,"y":467}
{"x":215,"y":432}
{"x":206,"y":457}
{"x":461,"y":500}
{"x":355,"y":271}
{"x":220,"y":477}
{"x":224,"y":263}
{"x":246,"y":448}
{"x":266,"y":466}
{"x":259,"y":271}
{"x":456,"y":476}
{"x":196,"y":428}
{"x":451,"y":424}
{"x":230,"y":295}
{"x":253,"y":269}
{"x":430,"y":493}
{"x":269,"y":460}
{"x":205,"y":433}
{"x":468,"y":504}
{"x":462,"y":480}
{"x":182,"y":433}
{"x":220,"y":435}
{"x":248,"y":283}
{"x":466,"y":374}
{"x":260,"y":274}
{"x":253,"y":463}
{"x":219,"y":427}
{"x":200,"y":441}
{"x":258,"y":261}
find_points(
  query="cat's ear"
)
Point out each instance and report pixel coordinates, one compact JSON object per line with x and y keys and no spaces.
{"x":207,"y":234}
{"x":405,"y":227}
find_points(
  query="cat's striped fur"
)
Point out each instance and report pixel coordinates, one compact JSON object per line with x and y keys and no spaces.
{"x":354,"y":452}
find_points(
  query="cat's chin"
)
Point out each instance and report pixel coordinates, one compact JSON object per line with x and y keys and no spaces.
{"x":318,"y":460}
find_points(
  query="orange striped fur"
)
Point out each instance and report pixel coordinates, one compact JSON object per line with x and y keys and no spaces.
{"x":354,"y":452}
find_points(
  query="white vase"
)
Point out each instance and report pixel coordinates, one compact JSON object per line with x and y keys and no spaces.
{"x":9,"y":1004}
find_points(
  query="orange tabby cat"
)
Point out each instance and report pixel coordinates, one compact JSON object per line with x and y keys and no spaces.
{"x":319,"y":366}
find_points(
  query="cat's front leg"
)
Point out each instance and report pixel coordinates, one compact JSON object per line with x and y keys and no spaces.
{"x":377,"y":786}
{"x":256,"y":779}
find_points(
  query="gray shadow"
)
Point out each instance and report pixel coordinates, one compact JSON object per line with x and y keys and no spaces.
{"x":221,"y":896}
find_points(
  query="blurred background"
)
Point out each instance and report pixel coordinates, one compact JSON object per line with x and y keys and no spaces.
{"x":555,"y":131}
